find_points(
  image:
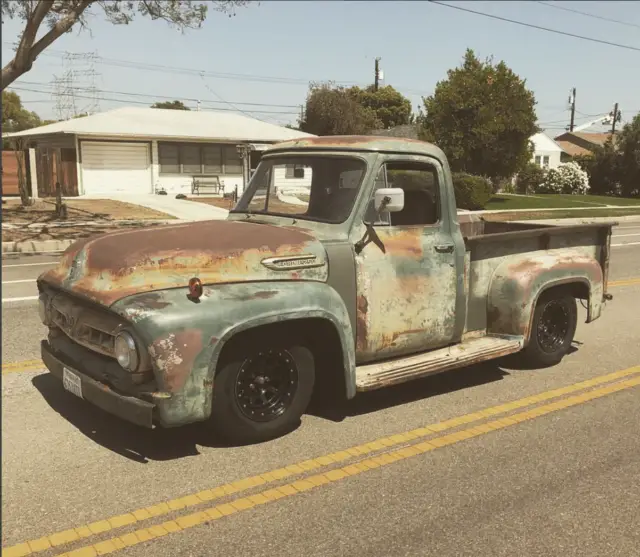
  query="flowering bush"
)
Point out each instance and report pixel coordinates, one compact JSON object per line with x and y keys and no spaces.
{"x":567,"y":178}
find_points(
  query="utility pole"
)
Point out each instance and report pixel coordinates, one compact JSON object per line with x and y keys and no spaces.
{"x":377,"y":74}
{"x":572,"y":103}
{"x":615,"y":117}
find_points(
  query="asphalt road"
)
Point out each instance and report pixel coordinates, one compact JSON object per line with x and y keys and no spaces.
{"x":561,"y":477}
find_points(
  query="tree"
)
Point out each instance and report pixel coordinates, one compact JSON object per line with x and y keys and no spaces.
{"x":332,"y":110}
{"x":61,"y":15}
{"x":482,"y":117}
{"x":15,"y":117}
{"x":391,"y":107}
{"x":628,"y":145}
{"x":172,"y":105}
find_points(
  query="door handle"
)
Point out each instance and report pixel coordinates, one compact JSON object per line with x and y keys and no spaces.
{"x":444,"y":248}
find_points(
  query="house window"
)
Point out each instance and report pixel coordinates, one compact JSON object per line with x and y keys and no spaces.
{"x":538,"y":159}
{"x":198,"y":158}
{"x":545,"y":161}
{"x":294,"y":171}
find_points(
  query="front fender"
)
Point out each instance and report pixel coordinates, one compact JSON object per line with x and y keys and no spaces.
{"x":517,"y":283}
{"x":185,"y":338}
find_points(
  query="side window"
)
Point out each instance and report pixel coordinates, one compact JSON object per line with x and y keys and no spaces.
{"x":421,"y":193}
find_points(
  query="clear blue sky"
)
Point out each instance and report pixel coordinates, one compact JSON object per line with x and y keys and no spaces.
{"x":293,"y":42}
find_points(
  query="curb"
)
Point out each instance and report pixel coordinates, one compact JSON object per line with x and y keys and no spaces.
{"x":42,"y":246}
{"x":585,"y":220}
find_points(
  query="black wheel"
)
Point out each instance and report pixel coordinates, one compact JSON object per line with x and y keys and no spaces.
{"x":554,"y":324}
{"x":261,"y":391}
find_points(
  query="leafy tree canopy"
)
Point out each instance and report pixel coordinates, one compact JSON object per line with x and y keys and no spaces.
{"x":59,"y":16}
{"x":332,"y":110}
{"x":172,"y":105}
{"x":16,"y":117}
{"x":482,"y":117}
{"x":391,"y":107}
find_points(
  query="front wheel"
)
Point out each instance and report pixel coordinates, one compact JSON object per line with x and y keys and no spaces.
{"x":261,"y":391}
{"x":554,"y":325}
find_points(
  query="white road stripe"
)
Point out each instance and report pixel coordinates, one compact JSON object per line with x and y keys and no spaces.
{"x":22,"y":299}
{"x":17,"y":281}
{"x":30,"y":264}
{"x":624,"y":235}
{"x":629,"y":244}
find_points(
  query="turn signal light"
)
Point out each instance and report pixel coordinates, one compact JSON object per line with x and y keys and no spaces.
{"x":195,"y":288}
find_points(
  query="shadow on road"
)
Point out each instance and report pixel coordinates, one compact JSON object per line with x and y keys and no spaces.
{"x":406,"y":393}
{"x":143,"y":445}
{"x":136,"y":443}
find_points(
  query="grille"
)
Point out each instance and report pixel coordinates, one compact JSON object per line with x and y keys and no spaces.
{"x":88,"y":327}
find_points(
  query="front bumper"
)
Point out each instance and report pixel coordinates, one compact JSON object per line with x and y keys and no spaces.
{"x":128,"y":408}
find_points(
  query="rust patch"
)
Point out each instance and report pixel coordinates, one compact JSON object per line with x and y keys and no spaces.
{"x":362,"y":307}
{"x":405,"y":243}
{"x":174,"y":356}
{"x":110,"y":267}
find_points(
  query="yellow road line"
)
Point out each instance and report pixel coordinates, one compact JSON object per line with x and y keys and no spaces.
{"x":309,"y":483}
{"x":322,"y":462}
{"x":624,"y":282}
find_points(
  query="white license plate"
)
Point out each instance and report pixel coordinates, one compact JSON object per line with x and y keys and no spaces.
{"x":71,"y":382}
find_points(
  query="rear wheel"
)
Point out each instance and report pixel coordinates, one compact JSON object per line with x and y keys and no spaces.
{"x":261,"y":391}
{"x":554,"y":325}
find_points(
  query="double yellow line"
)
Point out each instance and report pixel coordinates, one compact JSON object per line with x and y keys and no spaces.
{"x":327,"y":469}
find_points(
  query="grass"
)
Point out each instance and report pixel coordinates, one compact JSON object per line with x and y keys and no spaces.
{"x":102,"y":212}
{"x":549,"y":201}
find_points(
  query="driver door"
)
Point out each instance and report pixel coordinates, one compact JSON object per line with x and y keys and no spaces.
{"x":406,"y":278}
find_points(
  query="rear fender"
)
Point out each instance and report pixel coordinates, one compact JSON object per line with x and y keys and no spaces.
{"x":517,"y":284}
{"x":185,"y":338}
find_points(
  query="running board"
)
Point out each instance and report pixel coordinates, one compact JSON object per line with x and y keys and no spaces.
{"x":472,"y":351}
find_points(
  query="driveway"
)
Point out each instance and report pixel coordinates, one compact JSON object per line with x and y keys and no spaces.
{"x":179,"y":208}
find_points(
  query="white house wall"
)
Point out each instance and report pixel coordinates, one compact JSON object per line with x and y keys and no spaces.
{"x":291,"y":185}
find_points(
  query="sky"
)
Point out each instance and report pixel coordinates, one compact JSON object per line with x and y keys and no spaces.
{"x":269,"y":52}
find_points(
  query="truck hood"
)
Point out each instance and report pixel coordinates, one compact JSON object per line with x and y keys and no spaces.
{"x":110,"y":267}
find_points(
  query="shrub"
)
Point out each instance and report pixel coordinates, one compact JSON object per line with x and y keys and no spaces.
{"x":529,"y":178}
{"x":567,"y":178}
{"x":472,"y":192}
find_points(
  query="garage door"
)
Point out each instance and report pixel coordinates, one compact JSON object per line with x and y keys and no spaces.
{"x":110,"y":167}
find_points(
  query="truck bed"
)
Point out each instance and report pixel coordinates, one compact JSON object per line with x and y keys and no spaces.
{"x":490,"y":245}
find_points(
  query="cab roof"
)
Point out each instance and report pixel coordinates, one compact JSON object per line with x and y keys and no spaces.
{"x":359,"y":143}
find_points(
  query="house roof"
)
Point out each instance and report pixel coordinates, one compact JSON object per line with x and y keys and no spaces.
{"x":409,"y":131}
{"x":169,"y":124}
{"x":582,"y":143}
{"x":542,"y":142}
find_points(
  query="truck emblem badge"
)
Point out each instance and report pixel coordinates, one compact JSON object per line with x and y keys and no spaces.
{"x":305,"y":261}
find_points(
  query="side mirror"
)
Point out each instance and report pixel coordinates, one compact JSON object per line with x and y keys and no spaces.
{"x":389,"y":199}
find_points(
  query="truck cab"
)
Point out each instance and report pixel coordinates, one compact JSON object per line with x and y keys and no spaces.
{"x":343,"y":266}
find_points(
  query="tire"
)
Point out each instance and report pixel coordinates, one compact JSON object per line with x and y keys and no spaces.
{"x":554,"y":325}
{"x":242,"y":412}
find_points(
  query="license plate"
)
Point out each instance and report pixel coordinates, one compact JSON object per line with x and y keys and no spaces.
{"x":71,"y":382}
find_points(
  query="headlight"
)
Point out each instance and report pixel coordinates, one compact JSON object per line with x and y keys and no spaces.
{"x":43,"y":310}
{"x":126,"y":351}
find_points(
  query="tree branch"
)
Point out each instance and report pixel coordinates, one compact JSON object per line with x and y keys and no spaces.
{"x":27,"y":51}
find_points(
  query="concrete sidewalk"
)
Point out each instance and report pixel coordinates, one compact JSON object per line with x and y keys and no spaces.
{"x":179,"y":208}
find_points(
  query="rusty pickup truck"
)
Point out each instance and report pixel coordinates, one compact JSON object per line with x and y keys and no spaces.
{"x":342,"y":268}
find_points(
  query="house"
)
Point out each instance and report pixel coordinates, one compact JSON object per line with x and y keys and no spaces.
{"x":135,"y":150}
{"x":546,"y":152}
{"x":580,"y":143}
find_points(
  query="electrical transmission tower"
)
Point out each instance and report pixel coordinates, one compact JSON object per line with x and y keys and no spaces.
{"x":76,"y":90}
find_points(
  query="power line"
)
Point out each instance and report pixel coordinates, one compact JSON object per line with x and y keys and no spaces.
{"x":550,"y":5}
{"x":147,"y":104}
{"x":531,"y":25}
{"x":220,"y":75}
{"x":154,"y":96}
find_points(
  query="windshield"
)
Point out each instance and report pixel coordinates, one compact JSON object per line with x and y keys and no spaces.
{"x":320,"y":187}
